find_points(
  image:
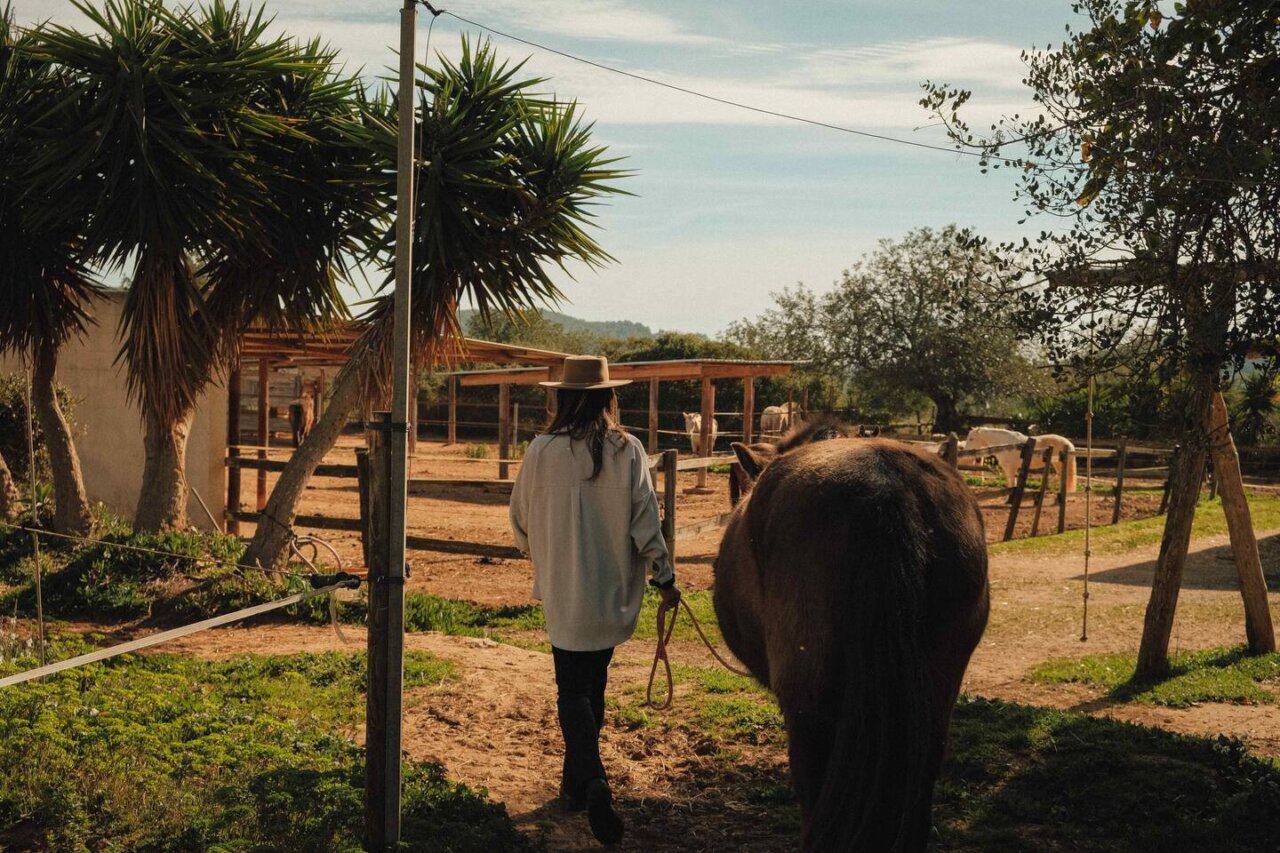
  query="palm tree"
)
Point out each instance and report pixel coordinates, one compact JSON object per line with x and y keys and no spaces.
{"x":215,"y":162}
{"x":505,"y":182}
{"x":45,"y":290}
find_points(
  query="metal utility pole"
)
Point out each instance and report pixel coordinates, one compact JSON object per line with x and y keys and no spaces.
{"x":386,"y":592}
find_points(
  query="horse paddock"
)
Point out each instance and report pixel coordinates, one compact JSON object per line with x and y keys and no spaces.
{"x":498,"y":729}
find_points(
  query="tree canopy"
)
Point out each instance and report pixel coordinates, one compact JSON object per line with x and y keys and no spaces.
{"x":916,"y":318}
{"x":1154,"y":152}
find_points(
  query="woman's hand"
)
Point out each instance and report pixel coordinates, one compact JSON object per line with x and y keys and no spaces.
{"x":670,"y":595}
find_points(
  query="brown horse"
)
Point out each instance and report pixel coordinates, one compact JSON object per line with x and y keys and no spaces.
{"x":852,"y":581}
{"x":819,"y":428}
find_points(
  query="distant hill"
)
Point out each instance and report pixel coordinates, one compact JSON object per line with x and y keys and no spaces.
{"x":602,"y":328}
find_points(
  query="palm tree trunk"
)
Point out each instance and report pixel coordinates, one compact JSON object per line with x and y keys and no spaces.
{"x":162,"y":503}
{"x":271,"y":538}
{"x":71,"y":506}
{"x":9,"y":495}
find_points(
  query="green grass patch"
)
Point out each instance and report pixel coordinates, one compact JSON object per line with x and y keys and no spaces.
{"x":476,"y":451}
{"x":1129,"y":535}
{"x":699,"y":602}
{"x":426,"y":612}
{"x":1023,"y":778}
{"x":170,"y":577}
{"x":168,"y":753}
{"x":1214,"y":675}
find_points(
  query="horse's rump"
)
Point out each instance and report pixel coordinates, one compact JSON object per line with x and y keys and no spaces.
{"x":861,"y":568}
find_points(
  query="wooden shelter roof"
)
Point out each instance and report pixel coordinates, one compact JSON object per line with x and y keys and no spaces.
{"x":694,"y":368}
{"x":329,"y":349}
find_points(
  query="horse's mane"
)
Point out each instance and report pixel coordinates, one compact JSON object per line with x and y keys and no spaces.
{"x":818,"y":428}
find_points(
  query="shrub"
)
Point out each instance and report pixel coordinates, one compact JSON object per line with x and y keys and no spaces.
{"x":13,"y":427}
{"x":476,"y":451}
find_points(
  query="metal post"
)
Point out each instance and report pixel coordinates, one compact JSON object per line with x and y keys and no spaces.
{"x":452,"y":437}
{"x":504,"y":430}
{"x":383,"y":817}
{"x":669,"y":459}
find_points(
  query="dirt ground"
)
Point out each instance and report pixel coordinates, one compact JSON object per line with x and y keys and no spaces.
{"x":496,"y":727}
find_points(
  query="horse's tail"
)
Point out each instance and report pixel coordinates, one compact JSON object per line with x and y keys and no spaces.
{"x":877,"y":780}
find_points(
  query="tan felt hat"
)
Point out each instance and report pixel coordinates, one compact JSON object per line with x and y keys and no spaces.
{"x":586,"y":373}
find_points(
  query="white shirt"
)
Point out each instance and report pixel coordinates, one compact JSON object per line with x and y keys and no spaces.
{"x":591,"y":541}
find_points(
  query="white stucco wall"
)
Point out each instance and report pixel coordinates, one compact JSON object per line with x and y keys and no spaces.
{"x":109,"y":427}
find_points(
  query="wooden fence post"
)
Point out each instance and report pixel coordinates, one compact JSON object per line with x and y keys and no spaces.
{"x":233,"y":450}
{"x":1244,"y":544}
{"x":1028,"y":451}
{"x":451,"y":437}
{"x":1068,"y":463}
{"x":669,"y":458}
{"x":951,"y":450}
{"x":377,"y":530}
{"x":504,"y":429}
{"x":653,"y":416}
{"x":264,"y":427}
{"x":515,"y":425}
{"x":1168,"y":478}
{"x":1044,"y":487}
{"x":1118,"y":491}
{"x":414,"y":397}
{"x":705,"y":442}
{"x":748,"y":408}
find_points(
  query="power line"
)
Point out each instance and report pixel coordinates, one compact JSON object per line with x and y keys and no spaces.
{"x":986,"y":155}
{"x":719,"y":100}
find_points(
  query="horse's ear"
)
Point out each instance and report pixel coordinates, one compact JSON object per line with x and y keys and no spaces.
{"x":753,"y":458}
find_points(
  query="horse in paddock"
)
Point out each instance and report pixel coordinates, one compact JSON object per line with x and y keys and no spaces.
{"x":852,"y":581}
{"x":302,"y":411}
{"x":1010,"y":461}
{"x":779,"y":419}
{"x":693,"y":426}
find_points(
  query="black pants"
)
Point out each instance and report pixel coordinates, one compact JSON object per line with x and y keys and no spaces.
{"x":580,"y":681}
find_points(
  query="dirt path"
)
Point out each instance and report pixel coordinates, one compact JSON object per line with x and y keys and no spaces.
{"x":1036,"y":616}
{"x":496,"y":728}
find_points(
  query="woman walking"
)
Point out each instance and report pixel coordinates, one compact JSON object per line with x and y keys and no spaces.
{"x":584,"y":509}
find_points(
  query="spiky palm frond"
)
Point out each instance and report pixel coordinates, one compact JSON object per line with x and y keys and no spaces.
{"x":504,"y":180}
{"x":321,"y":209}
{"x":213,"y":156}
{"x":45,"y":288}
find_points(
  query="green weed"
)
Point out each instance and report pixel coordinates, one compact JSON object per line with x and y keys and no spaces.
{"x":1215,"y":675}
{"x":476,"y":451}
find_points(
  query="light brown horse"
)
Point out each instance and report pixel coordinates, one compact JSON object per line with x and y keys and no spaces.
{"x":852,"y":581}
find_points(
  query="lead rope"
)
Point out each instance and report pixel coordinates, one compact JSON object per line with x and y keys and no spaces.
{"x":665,"y":630}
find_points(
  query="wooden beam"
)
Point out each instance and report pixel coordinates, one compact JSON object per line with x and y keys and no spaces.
{"x":233,"y":450}
{"x":1068,"y":463}
{"x":452,"y":436}
{"x":504,"y":430}
{"x":669,"y":458}
{"x":1028,"y":450}
{"x":652,"y":444}
{"x":264,"y":426}
{"x":748,"y":408}
{"x":516,"y":376}
{"x":1118,"y":492}
{"x":705,"y":439}
{"x":1047,"y":466}
{"x":1244,"y":544}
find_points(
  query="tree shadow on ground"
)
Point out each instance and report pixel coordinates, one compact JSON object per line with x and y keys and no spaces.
{"x":1208,"y":569}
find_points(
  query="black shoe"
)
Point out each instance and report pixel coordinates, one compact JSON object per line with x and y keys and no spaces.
{"x":606,"y":826}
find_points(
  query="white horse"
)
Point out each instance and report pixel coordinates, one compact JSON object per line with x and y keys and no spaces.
{"x":1010,"y":461}
{"x":779,"y":418}
{"x":693,"y":426}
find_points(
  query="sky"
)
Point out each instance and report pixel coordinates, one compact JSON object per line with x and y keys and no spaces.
{"x":731,"y":206}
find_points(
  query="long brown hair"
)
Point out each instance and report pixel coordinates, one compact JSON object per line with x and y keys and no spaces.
{"x":586,"y":416}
